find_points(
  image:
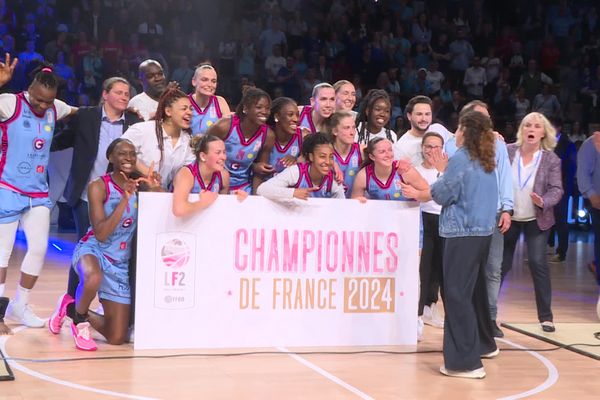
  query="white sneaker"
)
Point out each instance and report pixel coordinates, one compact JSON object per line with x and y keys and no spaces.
{"x":478,"y":373}
{"x":436,"y":317}
{"x":431,"y":316}
{"x":23,"y":314}
{"x":491,"y":354}
{"x":131,"y":334}
{"x":420,"y":327}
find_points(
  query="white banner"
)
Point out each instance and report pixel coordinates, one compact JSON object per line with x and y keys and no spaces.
{"x":258,"y":273}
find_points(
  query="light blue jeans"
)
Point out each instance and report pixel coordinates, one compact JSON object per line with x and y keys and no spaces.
{"x":493,"y":271}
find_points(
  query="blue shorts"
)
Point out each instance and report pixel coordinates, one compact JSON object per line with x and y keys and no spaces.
{"x":13,"y":205}
{"x":115,"y":276}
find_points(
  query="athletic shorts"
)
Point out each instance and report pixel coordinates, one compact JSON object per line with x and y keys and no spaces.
{"x":13,"y":205}
{"x":115,"y":276}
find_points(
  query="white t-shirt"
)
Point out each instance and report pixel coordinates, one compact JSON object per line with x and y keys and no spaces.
{"x":430,"y":175}
{"x":370,"y":136}
{"x":524,"y":209}
{"x":435,"y":80}
{"x":144,"y":104}
{"x":281,"y":186}
{"x":409,"y":146}
{"x":8,"y":103}
{"x":143,"y":136}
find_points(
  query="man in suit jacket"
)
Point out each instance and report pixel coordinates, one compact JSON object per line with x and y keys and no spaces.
{"x":89,"y":133}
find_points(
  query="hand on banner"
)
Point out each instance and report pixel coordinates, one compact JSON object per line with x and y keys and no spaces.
{"x":409,"y":192}
{"x":240,"y":194}
{"x":361,"y":199}
{"x":304,"y":193}
{"x":537,"y":200}
{"x":208,"y":197}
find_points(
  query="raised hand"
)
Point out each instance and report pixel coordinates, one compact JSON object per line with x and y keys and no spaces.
{"x":304,"y":193}
{"x":7,"y":68}
{"x":439,"y":159}
{"x":152,"y":178}
{"x":129,"y":186}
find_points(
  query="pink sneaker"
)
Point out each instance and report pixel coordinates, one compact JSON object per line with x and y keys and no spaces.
{"x":83,"y":338}
{"x":57,"y":318}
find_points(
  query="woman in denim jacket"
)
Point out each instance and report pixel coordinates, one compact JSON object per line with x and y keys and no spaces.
{"x":538,"y":188}
{"x":468,"y":194}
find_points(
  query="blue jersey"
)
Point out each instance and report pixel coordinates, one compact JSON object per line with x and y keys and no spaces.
{"x":349,"y":166}
{"x":25,"y":148}
{"x":388,"y":190}
{"x":305,"y":121}
{"x":241,"y":153}
{"x":204,"y":119}
{"x":215,"y":185}
{"x":304,"y":182}
{"x":117,"y":247}
{"x":292,"y":148}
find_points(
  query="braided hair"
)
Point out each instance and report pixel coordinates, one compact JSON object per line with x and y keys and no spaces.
{"x":44,"y":75}
{"x":366,"y":106}
{"x":276,"y":106}
{"x":169,"y":96}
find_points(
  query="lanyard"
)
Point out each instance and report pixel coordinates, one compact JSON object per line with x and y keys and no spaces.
{"x":537,"y":161}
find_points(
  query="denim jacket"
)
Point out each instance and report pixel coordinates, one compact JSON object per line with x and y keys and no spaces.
{"x":468,"y":196}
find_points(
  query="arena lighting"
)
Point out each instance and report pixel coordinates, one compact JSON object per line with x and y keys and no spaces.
{"x":582,"y":213}
{"x":56,"y":246}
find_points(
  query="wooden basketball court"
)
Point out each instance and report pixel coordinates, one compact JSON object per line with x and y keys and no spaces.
{"x":513,"y":374}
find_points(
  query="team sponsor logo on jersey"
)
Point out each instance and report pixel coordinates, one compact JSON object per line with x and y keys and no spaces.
{"x":26,"y":124}
{"x":294,"y":151}
{"x":40,"y":169}
{"x":50,"y":116}
{"x":127,"y":222}
{"x":397,"y":184}
{"x":235,"y":166}
{"x":38,"y":143}
{"x":24,"y":168}
{"x":257,"y":146}
{"x":48,"y":128}
{"x":123,"y":245}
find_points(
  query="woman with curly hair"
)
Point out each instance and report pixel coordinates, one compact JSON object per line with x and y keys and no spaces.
{"x":373,"y":119}
{"x":468,"y":194}
{"x":538,"y":188}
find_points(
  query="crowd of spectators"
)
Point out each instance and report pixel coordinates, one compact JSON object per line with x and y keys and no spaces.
{"x":518,"y":56}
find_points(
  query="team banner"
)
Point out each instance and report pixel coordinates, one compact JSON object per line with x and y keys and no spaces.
{"x":259,"y":273}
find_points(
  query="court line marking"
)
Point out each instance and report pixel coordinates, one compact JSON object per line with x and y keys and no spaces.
{"x":326,"y":374}
{"x":549,"y":382}
{"x":47,"y":378}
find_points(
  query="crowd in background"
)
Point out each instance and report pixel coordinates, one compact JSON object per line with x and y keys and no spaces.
{"x":517,"y":56}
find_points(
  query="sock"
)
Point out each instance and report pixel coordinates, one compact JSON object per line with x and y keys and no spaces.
{"x":2,"y":288}
{"x":79,"y":318}
{"x":22,"y":296}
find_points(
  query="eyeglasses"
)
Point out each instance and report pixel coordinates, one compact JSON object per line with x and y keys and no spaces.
{"x":430,"y":147}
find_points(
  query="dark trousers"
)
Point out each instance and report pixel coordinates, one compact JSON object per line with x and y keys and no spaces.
{"x":536,"y":240}
{"x":430,"y":267}
{"x":560,"y":228}
{"x":467,"y":328}
{"x":596,"y":226}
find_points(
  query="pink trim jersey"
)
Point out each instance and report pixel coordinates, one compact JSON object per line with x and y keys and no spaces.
{"x":117,"y":247}
{"x":215,"y":185}
{"x":241,"y":154}
{"x":388,"y":190}
{"x":304,"y":182}
{"x":204,"y":119}
{"x":25,"y":149}
{"x":349,"y":166}
{"x":305,"y":121}
{"x":292,"y":149}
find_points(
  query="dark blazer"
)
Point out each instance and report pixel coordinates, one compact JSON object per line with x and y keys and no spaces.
{"x":82,"y":133}
{"x":547,"y":183}
{"x":567,"y":152}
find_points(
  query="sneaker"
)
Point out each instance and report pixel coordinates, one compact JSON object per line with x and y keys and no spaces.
{"x":420,"y":327}
{"x":548,"y":326}
{"x":491,"y":354}
{"x":130,"y":334}
{"x":83,"y":338}
{"x":58,"y":316}
{"x":557,"y":258}
{"x":478,"y":373}
{"x":23,"y":314}
{"x":497,"y":331}
{"x":437,"y":320}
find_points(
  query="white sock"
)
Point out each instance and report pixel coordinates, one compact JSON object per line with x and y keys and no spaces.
{"x":22,"y":296}
{"x":2,"y":287}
